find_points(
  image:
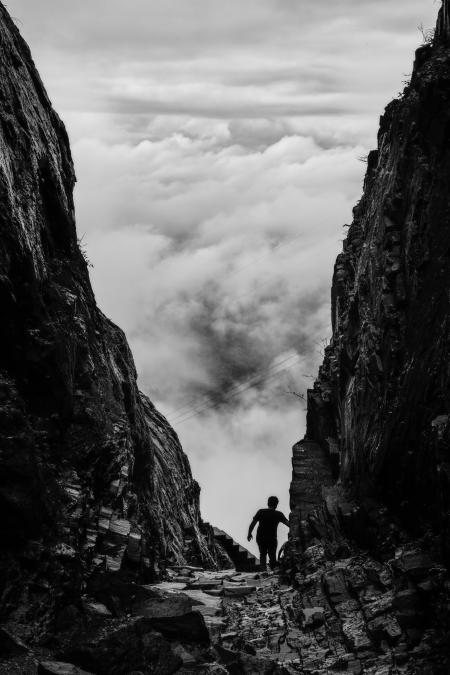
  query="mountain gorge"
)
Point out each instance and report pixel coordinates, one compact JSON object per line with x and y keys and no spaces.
{"x":100,"y":522}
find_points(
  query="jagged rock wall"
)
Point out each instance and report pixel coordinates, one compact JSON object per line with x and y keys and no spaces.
{"x":442,"y":34}
{"x":381,"y":403}
{"x":89,"y":470}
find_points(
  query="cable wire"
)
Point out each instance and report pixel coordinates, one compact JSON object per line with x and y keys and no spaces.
{"x":177,"y":412}
{"x":237,"y":393}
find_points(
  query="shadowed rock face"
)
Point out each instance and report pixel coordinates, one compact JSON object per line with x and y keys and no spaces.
{"x":91,"y":475}
{"x":370,"y":480}
{"x":381,"y":403}
{"x":442,"y":34}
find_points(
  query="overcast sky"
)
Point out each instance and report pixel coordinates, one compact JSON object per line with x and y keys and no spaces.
{"x":217,"y":147}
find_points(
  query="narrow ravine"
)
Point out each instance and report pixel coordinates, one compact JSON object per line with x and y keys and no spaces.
{"x":106,"y":565}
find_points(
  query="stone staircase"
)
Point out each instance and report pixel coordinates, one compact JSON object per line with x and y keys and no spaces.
{"x":243,"y":560}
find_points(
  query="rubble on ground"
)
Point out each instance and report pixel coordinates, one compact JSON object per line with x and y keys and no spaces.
{"x":342,"y":615}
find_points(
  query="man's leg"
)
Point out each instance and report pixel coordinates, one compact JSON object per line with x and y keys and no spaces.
{"x":262,"y":553}
{"x":272,"y":550}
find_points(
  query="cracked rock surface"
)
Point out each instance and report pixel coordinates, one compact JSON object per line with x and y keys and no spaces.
{"x":350,"y":615}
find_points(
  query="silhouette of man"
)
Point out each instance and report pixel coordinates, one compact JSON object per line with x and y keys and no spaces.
{"x":266,"y":534}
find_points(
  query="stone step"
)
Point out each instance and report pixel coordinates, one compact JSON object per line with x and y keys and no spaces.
{"x":241,"y":557}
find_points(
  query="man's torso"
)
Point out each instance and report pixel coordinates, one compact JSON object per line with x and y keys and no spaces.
{"x":268,"y":520}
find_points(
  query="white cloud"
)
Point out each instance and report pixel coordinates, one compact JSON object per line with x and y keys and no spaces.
{"x":204,"y":58}
{"x":216,"y":260}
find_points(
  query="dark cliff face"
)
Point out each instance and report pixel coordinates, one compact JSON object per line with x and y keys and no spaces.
{"x":381,"y":403}
{"x":89,"y":468}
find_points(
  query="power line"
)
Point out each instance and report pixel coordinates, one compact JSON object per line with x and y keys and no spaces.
{"x":236,"y":387}
{"x":236,"y":393}
{"x":252,"y":384}
{"x":177,"y":412}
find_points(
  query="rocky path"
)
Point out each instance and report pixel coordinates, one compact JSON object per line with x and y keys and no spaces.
{"x":353,"y":615}
{"x":333,"y":608}
{"x":350,"y":615}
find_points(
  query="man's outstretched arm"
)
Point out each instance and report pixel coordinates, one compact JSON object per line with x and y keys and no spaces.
{"x":284,"y":520}
{"x":252,"y":525}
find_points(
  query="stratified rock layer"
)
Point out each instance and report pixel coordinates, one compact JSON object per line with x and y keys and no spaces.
{"x":381,"y":403}
{"x":91,"y":475}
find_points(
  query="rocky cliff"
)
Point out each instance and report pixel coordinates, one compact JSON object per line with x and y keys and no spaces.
{"x":92,"y":477}
{"x":381,"y":404}
{"x":370,"y":488}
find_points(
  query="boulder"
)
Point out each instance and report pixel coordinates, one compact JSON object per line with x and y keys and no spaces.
{"x":205,"y":584}
{"x":381,"y":605}
{"x":408,"y":599}
{"x":10,"y":645}
{"x":117,"y":594}
{"x":416,"y":564}
{"x":336,"y":587}
{"x":408,"y":608}
{"x":238,"y":591}
{"x":189,"y":627}
{"x":354,"y":631}
{"x":250,"y":664}
{"x":199,"y":598}
{"x":131,"y":645}
{"x":203,"y":669}
{"x":187,"y":658}
{"x":312,"y":617}
{"x":95,"y":610}
{"x":164,"y":586}
{"x":170,"y":605}
{"x":385,"y":628}
{"x":185,"y":568}
{"x":214,"y":592}
{"x":60,"y":668}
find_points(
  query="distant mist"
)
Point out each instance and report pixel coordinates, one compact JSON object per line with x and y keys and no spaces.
{"x":217,"y":148}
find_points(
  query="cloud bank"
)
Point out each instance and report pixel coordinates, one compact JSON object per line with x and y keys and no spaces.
{"x":216,"y":147}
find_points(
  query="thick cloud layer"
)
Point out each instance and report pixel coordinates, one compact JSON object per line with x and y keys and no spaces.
{"x":217,"y":146}
{"x":221,"y":280}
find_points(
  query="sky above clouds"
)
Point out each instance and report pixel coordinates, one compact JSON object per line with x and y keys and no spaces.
{"x":217,"y":147}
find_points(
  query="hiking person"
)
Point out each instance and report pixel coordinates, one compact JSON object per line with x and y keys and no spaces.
{"x":266,"y":534}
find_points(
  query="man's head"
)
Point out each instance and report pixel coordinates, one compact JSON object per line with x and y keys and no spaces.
{"x":272,"y":502}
